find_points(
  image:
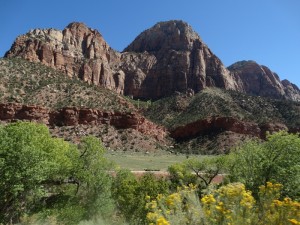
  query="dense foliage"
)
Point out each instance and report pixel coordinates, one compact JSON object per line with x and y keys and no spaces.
{"x":48,"y":175}
{"x":130,"y":194}
{"x":230,"y":204}
{"x":45,"y":180}
{"x":275,"y":160}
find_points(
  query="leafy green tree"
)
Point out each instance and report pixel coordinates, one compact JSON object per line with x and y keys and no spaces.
{"x":124,"y":193}
{"x":28,"y":158}
{"x":276,"y":160}
{"x":181,"y":175}
{"x":45,"y":175}
{"x":130,"y":194}
{"x":206,"y":169}
{"x":200,"y":172}
{"x":95,"y":181}
{"x":149,"y":186}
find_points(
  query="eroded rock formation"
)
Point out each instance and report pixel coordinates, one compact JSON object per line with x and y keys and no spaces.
{"x":178,"y":61}
{"x":77,"y":50}
{"x":220,"y":124}
{"x":256,"y":79}
{"x":169,"y":57}
{"x":73,"y":116}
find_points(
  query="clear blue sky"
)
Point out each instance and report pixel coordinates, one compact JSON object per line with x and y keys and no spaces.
{"x":267,"y":31}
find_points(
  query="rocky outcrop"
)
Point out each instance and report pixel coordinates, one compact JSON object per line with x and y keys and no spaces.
{"x":220,"y":124}
{"x":167,"y":58}
{"x":176,"y":60}
{"x":74,"y":116}
{"x":273,"y":127}
{"x":259,"y":80}
{"x":77,"y":51}
{"x":292,"y":92}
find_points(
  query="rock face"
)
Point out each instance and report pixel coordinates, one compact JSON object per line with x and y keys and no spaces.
{"x":169,"y":57}
{"x":221,"y":124}
{"x":77,"y":50}
{"x":256,"y":79}
{"x":74,"y":116}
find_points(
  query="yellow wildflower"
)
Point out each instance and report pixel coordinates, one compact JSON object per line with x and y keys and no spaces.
{"x":162,"y":221}
{"x":277,"y":202}
{"x":247,"y":199}
{"x":151,"y":216}
{"x":293,"y":221}
{"x":173,"y":199}
{"x":208,"y":199}
{"x":159,"y":197}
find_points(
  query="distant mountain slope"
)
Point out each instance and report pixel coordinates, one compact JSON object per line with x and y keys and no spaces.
{"x":210,"y":121}
{"x":73,"y":108}
{"x":215,"y":120}
{"x":259,"y":80}
{"x":74,"y":82}
{"x":166,"y":58}
{"x":36,"y":84}
{"x":181,"y":109}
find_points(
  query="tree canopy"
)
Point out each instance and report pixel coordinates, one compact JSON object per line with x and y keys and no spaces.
{"x":39,"y":172}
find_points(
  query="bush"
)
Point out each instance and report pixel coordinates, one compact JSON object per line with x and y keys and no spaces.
{"x":230,"y":204}
{"x":276,"y":160}
{"x":130,"y":194}
{"x":50,"y":177}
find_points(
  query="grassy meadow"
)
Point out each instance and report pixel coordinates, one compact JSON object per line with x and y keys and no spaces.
{"x":142,"y":161}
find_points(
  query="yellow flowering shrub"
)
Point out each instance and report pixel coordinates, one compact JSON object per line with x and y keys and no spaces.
{"x":181,"y":207}
{"x":229,"y":205}
{"x":275,"y":211}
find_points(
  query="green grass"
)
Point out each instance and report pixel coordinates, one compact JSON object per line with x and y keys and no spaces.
{"x":140,"y":162}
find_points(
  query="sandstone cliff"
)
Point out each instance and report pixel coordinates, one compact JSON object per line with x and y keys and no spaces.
{"x":167,"y":58}
{"x":178,"y":60}
{"x":222,"y":124}
{"x":77,"y":50}
{"x":259,"y":80}
{"x":72,"y":116}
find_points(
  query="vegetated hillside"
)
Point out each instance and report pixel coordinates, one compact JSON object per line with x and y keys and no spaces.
{"x":28,"y":83}
{"x":36,"y":84}
{"x":181,"y":109}
{"x":202,"y":124}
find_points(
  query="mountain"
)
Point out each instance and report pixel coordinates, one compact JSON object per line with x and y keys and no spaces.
{"x":75,"y":83}
{"x":72,"y":108}
{"x":215,"y":120}
{"x":182,"y":62}
{"x":78,"y":51}
{"x":259,"y":80}
{"x":167,"y":58}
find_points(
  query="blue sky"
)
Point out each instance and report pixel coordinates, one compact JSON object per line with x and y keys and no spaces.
{"x":267,"y":31}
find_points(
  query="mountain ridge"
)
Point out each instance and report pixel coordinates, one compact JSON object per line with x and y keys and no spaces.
{"x":209,"y":122}
{"x":76,"y":83}
{"x":166,"y":58}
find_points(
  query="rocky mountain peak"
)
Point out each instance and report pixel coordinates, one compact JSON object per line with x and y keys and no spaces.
{"x":175,"y":34}
{"x":178,"y":62}
{"x":259,"y":80}
{"x":166,"y":58}
{"x":78,"y":51}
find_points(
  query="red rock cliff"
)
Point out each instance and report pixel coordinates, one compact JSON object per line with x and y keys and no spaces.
{"x":220,"y":124}
{"x":77,"y":50}
{"x":169,"y":57}
{"x":74,"y":116}
{"x":256,"y":79}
